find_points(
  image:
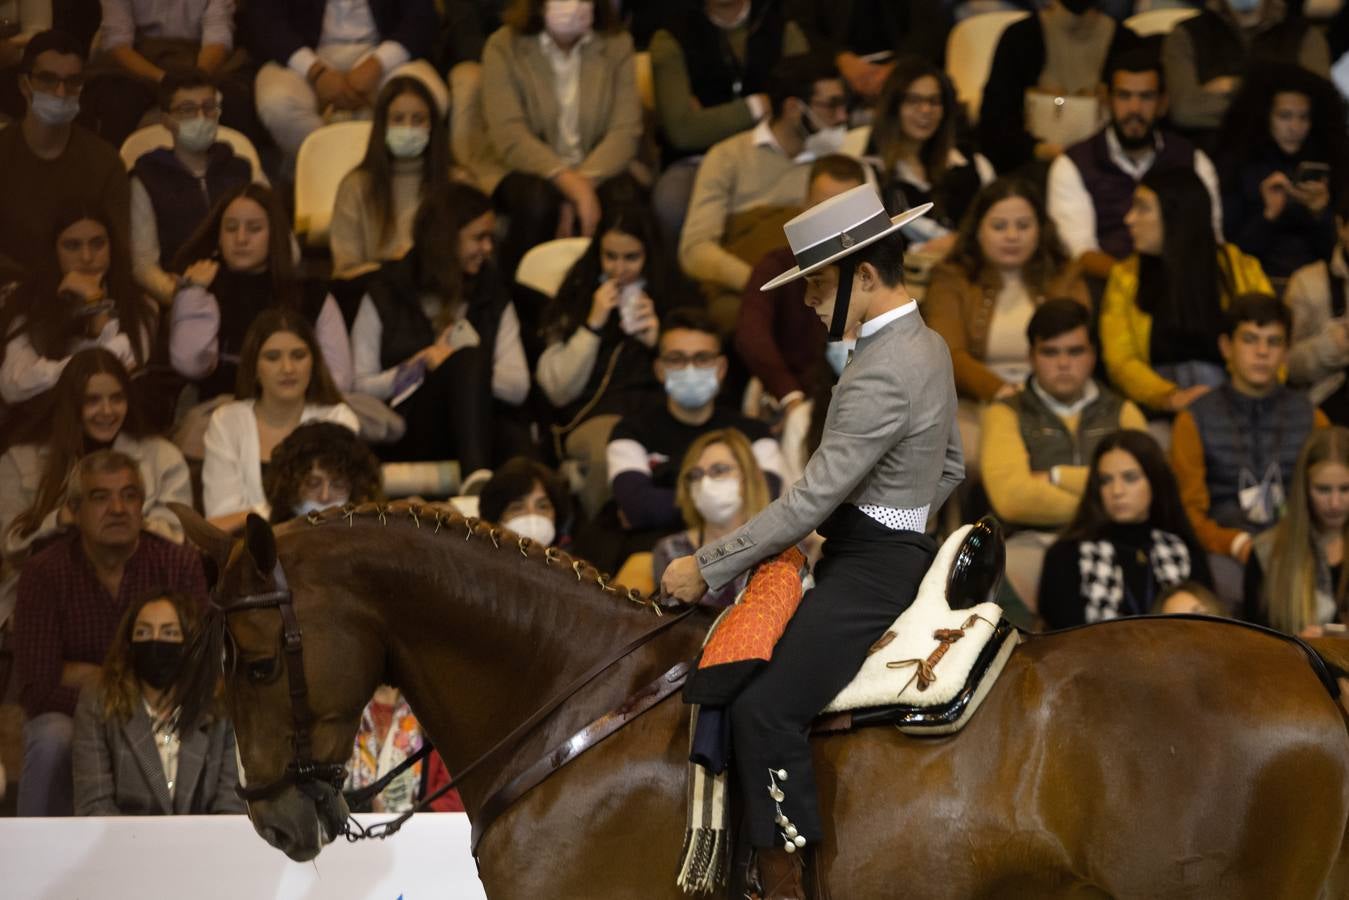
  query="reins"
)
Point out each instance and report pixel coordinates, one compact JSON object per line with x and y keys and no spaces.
{"x":303,"y":771}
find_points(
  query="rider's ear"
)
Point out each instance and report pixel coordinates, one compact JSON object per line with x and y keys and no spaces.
{"x":260,"y":543}
{"x":210,"y":540}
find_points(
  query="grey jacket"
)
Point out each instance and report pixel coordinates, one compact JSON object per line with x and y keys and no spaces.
{"x":890,"y":439}
{"x":118,"y":771}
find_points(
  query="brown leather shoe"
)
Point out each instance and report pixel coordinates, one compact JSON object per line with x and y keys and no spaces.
{"x":780,"y":875}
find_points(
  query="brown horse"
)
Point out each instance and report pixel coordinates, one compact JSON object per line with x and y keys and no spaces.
{"x":1143,"y":759}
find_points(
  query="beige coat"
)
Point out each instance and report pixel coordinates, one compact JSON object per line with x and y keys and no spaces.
{"x":520,"y":108}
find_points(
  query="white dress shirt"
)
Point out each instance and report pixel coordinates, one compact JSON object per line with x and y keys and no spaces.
{"x":346,"y":24}
{"x":567,"y":84}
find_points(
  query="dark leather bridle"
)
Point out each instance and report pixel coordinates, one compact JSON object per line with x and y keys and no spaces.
{"x":303,"y":771}
{"x":309,"y":775}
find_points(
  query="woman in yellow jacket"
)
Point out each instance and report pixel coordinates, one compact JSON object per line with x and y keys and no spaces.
{"x":1163,"y":306}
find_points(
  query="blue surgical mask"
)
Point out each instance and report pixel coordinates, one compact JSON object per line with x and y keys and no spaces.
{"x":692,"y":387}
{"x":836,"y":353}
{"x":53,"y":110}
{"x":305,"y":507}
{"x":197,"y":135}
{"x":406,"y":141}
{"x":1244,"y":6}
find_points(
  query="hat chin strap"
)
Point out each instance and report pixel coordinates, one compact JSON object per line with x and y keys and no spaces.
{"x":838,"y":323}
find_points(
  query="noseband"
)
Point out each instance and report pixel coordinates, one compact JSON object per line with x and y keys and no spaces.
{"x":303,"y":771}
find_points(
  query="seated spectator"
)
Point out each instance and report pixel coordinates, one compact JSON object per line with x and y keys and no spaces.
{"x":407,"y":159}
{"x":1006,"y":261}
{"x":173,"y":189}
{"x":1316,"y":297}
{"x":48,"y":164}
{"x":79,"y":295}
{"x":282,"y":384}
{"x":92,"y":409}
{"x":1189,"y":598}
{"x":559,"y":95}
{"x":1035,"y":441}
{"x":720,"y":488}
{"x":865,"y":37}
{"x":1062,"y":51}
{"x":440,"y":322}
{"x":27,"y":19}
{"x":1128,"y":542}
{"x":749,"y":184}
{"x":1092,"y":184}
{"x":318,"y":465}
{"x":1282,"y":155}
{"x":1294,"y":577}
{"x":237,"y":264}
{"x":709,"y":70}
{"x":914,"y":137}
{"x":601,"y":332}
{"x":780,"y":339}
{"x":525,"y":496}
{"x":1234,"y":449}
{"x":129,"y":757}
{"x":327,"y":59}
{"x":1163,"y":307}
{"x":645,"y":448}
{"x":71,"y":597}
{"x":389,"y":733}
{"x":140,"y":42}
{"x":1206,"y":57}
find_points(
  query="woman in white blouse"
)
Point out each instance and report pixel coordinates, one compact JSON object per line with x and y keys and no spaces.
{"x":283,"y":382}
{"x":438,"y":337}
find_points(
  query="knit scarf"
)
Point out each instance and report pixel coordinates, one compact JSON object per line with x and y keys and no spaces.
{"x":1103,"y":578}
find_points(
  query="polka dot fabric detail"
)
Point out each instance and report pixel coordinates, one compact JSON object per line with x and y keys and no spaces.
{"x":898,"y":519}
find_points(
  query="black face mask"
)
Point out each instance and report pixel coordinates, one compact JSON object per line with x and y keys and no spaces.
{"x":156,"y":662}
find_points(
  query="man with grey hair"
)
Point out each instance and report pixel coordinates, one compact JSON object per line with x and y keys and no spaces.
{"x":72,"y":595}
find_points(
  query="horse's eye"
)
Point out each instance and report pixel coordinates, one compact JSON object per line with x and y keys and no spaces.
{"x":261,"y":671}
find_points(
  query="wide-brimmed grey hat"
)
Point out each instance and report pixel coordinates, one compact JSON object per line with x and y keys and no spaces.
{"x":838,"y":227}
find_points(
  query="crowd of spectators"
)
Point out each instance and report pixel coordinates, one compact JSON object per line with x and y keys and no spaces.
{"x":1136,"y":255}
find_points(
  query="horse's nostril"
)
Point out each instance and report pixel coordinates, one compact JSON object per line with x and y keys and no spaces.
{"x":272,"y":836}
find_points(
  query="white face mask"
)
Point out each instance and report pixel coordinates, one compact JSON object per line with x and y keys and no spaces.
{"x":538,"y":528}
{"x":825,"y":140}
{"x":836,"y":354}
{"x":567,"y":20}
{"x":718,"y":499}
{"x":406,"y":141}
{"x":196,"y":135}
{"x":305,"y":507}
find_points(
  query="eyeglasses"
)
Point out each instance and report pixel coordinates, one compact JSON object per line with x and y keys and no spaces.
{"x":48,"y":82}
{"x":714,"y":471}
{"x":933,"y":101}
{"x":185,"y":111}
{"x":683,"y":360}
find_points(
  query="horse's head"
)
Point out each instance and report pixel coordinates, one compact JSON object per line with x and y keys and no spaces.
{"x":296,"y":678}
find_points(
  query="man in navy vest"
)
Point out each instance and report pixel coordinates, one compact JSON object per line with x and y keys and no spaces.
{"x":1091,"y":186}
{"x":173,"y":189}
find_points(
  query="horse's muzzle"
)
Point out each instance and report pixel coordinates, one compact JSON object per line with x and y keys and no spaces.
{"x":299,"y":821}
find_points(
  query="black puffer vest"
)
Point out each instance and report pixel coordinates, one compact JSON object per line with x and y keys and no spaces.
{"x":181,"y":200}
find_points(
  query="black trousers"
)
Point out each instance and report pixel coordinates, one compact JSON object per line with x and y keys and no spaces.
{"x":867,"y":576}
{"x":449,"y":416}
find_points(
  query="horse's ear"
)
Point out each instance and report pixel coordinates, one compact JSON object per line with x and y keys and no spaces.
{"x":260,"y":543}
{"x":210,"y":540}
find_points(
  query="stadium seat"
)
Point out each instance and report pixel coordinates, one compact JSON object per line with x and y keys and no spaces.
{"x":152,"y":137}
{"x":1158,"y":21}
{"x":969,"y":55}
{"x":325,"y":157}
{"x":646,"y":85}
{"x":543,"y":267}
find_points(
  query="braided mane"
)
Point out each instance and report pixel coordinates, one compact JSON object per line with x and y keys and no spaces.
{"x":442,"y":516}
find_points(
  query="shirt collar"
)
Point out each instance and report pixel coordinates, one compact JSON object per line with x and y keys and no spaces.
{"x":872,"y":326}
{"x":551,"y":48}
{"x":1124,"y":161}
{"x":763,"y":136}
{"x":1066,"y":410}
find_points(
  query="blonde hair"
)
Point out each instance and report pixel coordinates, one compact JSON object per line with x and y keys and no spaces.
{"x":753,"y":484}
{"x":1289,"y":591}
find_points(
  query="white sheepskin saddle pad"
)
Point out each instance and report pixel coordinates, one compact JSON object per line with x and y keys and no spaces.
{"x":891,"y":674}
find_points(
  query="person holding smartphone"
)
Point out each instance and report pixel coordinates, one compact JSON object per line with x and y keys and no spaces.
{"x":1280,"y":158}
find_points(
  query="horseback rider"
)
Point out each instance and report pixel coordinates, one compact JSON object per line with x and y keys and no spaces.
{"x":890,"y":454}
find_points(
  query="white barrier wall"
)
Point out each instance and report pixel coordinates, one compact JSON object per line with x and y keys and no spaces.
{"x":222,"y":857}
